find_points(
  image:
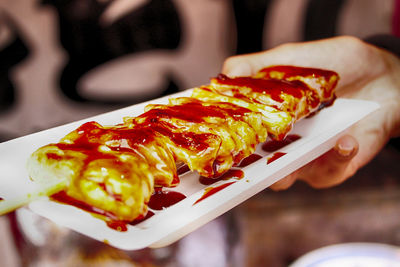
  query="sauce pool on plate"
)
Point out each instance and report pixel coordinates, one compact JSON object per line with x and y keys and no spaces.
{"x":249,"y":160}
{"x":232,"y":173}
{"x":275,"y":156}
{"x":164,"y":198}
{"x":212,"y":190}
{"x":159,"y":200}
{"x":274,"y":145}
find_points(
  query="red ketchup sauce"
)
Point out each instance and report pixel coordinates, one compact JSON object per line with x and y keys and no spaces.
{"x":249,"y":160}
{"x":112,"y":221}
{"x":287,"y":72}
{"x":164,"y":198}
{"x":232,"y":173}
{"x":212,"y":190}
{"x":143,"y":218}
{"x":183,"y":169}
{"x":193,"y":111}
{"x":119,"y":226}
{"x":92,"y":135}
{"x":275,"y":156}
{"x":274,"y":145}
{"x":290,"y":71}
{"x":273,"y":87}
{"x":62,"y":197}
{"x":159,"y":200}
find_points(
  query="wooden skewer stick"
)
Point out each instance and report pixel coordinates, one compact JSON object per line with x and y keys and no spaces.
{"x":9,"y":205}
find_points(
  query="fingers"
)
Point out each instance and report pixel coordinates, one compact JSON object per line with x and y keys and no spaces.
{"x":364,"y":70}
{"x":249,"y":64}
{"x":328,"y":170}
{"x":333,"y":167}
{"x":358,"y":63}
{"x":287,"y":54}
{"x":284,"y":183}
{"x":243,"y":65}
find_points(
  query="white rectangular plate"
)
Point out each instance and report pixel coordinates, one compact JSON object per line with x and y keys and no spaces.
{"x":318,"y":135}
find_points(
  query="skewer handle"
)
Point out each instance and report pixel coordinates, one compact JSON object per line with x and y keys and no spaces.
{"x":9,"y":205}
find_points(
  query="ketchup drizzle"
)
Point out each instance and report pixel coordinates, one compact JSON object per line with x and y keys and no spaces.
{"x":275,"y":156}
{"x":161,"y":199}
{"x":273,"y":87}
{"x":274,"y":145}
{"x":183,"y":169}
{"x":290,"y":71}
{"x":111,"y":221}
{"x":249,"y":160}
{"x":232,"y":173}
{"x":212,"y":190}
{"x":119,"y":226}
{"x":143,"y":218}
{"x":194,"y":111}
{"x":62,"y":197}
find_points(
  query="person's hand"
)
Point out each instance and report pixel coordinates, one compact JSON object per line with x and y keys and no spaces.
{"x":366,"y":72}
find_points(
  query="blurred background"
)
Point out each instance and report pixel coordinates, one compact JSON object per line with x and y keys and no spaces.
{"x":61,"y":61}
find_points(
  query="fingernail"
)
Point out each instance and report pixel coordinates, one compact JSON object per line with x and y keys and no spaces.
{"x":345,"y":147}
